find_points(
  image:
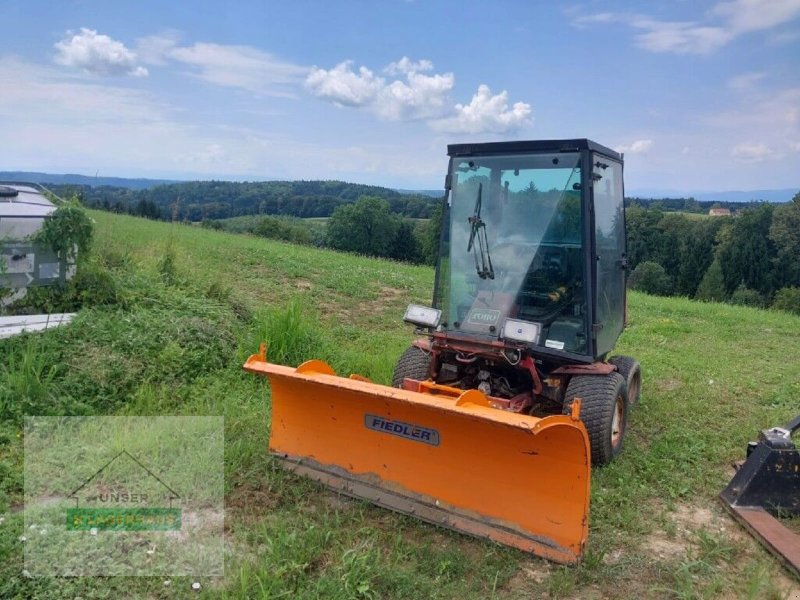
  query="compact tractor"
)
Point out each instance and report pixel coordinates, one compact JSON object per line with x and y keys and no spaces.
{"x":508,"y":397}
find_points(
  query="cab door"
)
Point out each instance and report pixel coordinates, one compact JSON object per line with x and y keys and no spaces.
{"x":610,"y":263}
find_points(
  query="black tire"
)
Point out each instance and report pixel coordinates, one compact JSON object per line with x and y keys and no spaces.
{"x":602,"y":397}
{"x":631,"y":370}
{"x":413,"y":363}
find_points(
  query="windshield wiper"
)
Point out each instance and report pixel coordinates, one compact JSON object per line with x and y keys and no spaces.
{"x":478,"y":230}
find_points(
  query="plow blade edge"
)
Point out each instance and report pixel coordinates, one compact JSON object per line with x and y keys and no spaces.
{"x":519,"y":480}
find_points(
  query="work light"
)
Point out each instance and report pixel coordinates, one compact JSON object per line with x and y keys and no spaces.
{"x":423,"y":316}
{"x":521,"y":331}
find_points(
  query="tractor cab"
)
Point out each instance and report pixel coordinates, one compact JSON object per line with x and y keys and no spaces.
{"x":533,"y":248}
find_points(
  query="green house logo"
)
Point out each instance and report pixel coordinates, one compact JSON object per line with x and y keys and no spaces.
{"x":124,"y":495}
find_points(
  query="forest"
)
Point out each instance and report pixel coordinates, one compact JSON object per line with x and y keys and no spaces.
{"x":750,"y":258}
{"x":674,"y":248}
{"x":203,"y":200}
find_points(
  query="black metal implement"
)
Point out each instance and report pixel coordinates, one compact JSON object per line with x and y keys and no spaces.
{"x":768,"y":486}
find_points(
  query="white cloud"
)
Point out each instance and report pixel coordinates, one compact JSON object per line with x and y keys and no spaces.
{"x":343,"y":87}
{"x":64,"y":123}
{"x":755,"y":15}
{"x":486,"y":113}
{"x":242,"y":67}
{"x":421,"y":97}
{"x":724,"y":22}
{"x":97,"y":54}
{"x":155,"y":49}
{"x":405,"y":65}
{"x":604,"y":17}
{"x":679,"y":37}
{"x":637,"y":147}
{"x":775,"y":113}
{"x":46,"y":97}
{"x":745,"y":81}
{"x":418,"y":96}
{"x":753,"y":152}
{"x":782,"y":38}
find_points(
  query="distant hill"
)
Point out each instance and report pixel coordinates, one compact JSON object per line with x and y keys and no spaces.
{"x":209,"y":200}
{"x":781,"y":195}
{"x":72,"y":179}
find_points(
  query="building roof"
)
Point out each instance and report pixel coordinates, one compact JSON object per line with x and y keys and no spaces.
{"x":719,"y":212}
{"x":23,"y":200}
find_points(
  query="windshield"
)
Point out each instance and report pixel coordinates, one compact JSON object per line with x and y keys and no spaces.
{"x":514,"y":248}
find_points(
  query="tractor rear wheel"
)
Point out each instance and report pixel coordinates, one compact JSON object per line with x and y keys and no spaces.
{"x":413,"y":363}
{"x":629,"y":368}
{"x":604,"y":412}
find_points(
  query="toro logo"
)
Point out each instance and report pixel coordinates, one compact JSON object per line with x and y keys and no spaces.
{"x":478,"y":316}
{"x":409,"y":431}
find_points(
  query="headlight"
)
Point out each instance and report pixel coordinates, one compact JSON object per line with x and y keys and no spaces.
{"x":521,"y":331}
{"x":422,"y":315}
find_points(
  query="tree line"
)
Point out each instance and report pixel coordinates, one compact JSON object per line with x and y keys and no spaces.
{"x":752,"y":258}
{"x":367,"y":226}
{"x":203,"y":200}
{"x":689,"y":205}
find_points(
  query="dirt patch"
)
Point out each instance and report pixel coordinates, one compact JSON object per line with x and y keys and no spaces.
{"x":592,"y":592}
{"x":387,"y":297}
{"x":528,"y":576}
{"x":660,"y":546}
{"x":791,"y":587}
{"x":303,"y":284}
{"x":692,"y":518}
{"x":679,"y":533}
{"x":390,"y":292}
{"x":246,"y":504}
{"x":329,"y":310}
{"x":198,"y":523}
{"x":668,"y":385}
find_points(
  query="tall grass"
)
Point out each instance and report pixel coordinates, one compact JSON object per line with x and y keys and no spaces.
{"x":292,"y":334}
{"x":26,"y":377}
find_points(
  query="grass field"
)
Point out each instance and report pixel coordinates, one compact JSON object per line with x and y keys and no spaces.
{"x":185,"y":306}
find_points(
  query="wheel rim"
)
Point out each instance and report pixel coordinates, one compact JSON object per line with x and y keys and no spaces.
{"x":617,"y":422}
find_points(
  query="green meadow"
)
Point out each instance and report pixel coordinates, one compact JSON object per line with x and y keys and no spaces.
{"x":170,"y":314}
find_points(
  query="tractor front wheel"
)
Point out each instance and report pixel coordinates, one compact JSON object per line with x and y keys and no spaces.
{"x":413,"y":363}
{"x":604,"y":412}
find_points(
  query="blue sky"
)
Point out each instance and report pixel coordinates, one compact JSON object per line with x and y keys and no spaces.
{"x":699,"y":95}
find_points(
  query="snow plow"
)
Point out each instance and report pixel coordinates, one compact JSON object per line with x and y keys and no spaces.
{"x":499,"y":409}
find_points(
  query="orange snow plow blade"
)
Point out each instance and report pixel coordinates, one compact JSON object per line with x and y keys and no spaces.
{"x":519,"y":480}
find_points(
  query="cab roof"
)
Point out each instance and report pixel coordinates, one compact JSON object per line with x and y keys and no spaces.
{"x":522,"y":146}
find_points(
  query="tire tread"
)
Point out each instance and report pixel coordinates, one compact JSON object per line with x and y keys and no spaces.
{"x":413,"y":363}
{"x":597,"y":394}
